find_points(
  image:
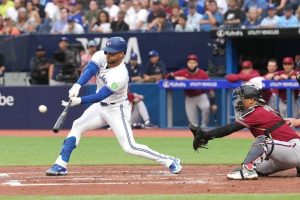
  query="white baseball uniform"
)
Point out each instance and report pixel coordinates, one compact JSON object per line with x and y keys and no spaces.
{"x":114,"y":111}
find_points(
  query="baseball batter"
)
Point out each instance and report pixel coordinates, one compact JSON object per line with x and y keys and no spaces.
{"x":110,"y":107}
{"x":276,"y":146}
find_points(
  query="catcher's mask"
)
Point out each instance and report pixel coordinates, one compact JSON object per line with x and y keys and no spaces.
{"x":246,"y":92}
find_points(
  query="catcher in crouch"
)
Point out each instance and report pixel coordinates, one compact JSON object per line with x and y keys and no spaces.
{"x":276,"y":146}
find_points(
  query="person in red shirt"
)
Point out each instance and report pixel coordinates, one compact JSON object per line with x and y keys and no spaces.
{"x":247,"y":72}
{"x":287,"y":73}
{"x":194,"y":98}
{"x":139,"y":114}
{"x":276,"y":146}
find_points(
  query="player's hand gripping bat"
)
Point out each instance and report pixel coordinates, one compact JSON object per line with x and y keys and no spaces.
{"x":61,"y":119}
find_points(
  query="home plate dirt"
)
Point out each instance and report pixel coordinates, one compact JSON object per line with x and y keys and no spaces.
{"x":139,"y":179}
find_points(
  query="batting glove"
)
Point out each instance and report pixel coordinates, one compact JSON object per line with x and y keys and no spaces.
{"x":74,"y":91}
{"x":74,"y":101}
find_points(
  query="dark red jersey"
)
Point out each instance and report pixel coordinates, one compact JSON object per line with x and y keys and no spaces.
{"x":246,"y":77}
{"x":282,"y":93}
{"x":198,"y":75}
{"x":259,"y":118}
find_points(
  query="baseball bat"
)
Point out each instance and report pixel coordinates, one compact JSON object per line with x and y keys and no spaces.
{"x":61,"y":119}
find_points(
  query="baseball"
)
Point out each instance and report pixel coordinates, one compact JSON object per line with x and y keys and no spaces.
{"x":43,"y":108}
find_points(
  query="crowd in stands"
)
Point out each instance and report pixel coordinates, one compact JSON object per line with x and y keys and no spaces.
{"x":106,"y":16}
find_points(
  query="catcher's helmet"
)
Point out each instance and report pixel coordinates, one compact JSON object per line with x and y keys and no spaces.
{"x":115,"y":45}
{"x":249,"y":91}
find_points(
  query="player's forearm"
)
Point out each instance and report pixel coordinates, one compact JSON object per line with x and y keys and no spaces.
{"x":90,"y":71}
{"x":102,"y":94}
{"x":224,"y":130}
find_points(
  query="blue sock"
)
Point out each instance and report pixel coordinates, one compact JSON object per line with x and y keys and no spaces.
{"x":67,"y":148}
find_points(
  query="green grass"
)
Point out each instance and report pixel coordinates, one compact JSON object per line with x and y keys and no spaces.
{"x":163,"y":197}
{"x":17,"y":151}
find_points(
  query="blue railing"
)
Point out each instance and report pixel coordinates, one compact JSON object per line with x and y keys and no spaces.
{"x":166,"y":87}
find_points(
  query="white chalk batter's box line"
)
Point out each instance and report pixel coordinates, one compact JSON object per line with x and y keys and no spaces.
{"x":118,"y":180}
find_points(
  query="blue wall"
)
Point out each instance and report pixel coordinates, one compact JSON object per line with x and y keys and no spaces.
{"x":173,"y":47}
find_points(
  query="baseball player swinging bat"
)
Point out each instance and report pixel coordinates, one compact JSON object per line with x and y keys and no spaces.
{"x":61,"y":119}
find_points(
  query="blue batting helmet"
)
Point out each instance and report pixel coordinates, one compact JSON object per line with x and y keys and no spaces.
{"x":115,"y":45}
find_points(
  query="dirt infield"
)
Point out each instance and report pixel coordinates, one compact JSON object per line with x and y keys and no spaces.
{"x":136,"y":179}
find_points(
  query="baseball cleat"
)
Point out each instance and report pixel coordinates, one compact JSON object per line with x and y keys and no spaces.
{"x":243,"y":174}
{"x":175,"y":167}
{"x":56,"y":170}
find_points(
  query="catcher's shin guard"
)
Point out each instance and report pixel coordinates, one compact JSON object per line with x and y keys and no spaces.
{"x":257,"y":152}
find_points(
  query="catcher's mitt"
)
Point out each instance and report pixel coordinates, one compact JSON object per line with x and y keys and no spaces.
{"x":198,"y":133}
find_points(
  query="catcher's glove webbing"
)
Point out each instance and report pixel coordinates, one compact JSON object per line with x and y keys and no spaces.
{"x":198,"y":133}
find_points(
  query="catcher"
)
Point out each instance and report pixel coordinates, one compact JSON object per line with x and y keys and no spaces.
{"x":276,"y":146}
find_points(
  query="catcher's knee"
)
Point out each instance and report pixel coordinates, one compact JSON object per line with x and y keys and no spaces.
{"x":257,"y":152}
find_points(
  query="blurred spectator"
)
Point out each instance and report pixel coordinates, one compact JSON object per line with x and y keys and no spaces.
{"x":271,"y":20}
{"x":298,"y":15}
{"x":86,"y":57}
{"x":166,"y":6}
{"x":288,"y":19}
{"x":287,"y":73}
{"x":22,"y":20}
{"x":58,"y":26}
{"x":64,"y":71}
{"x":161,"y":23}
{"x":182,"y":25}
{"x":212,"y":18}
{"x":12,"y":12}
{"x":120,"y":25}
{"x":1,"y":25}
{"x":9,"y":28}
{"x":2,"y":68}
{"x":247,"y":72}
{"x":72,"y":27}
{"x":154,"y":9}
{"x":270,"y":95}
{"x":111,"y":9}
{"x":91,"y":15}
{"x":39,"y":8}
{"x":199,"y":5}
{"x":155,"y":68}
{"x":75,"y":12}
{"x":194,"y":17}
{"x":260,"y":5}
{"x":146,"y":4}
{"x":175,"y":15}
{"x":234,"y":17}
{"x":135,"y":70}
{"x":280,"y":4}
{"x":39,"y":66}
{"x":195,"y":99}
{"x":139,"y":115}
{"x":102,"y":25}
{"x":253,"y":18}
{"x":33,"y":16}
{"x":222,"y":6}
{"x":52,"y":9}
{"x":5,"y":4}
{"x":137,"y":20}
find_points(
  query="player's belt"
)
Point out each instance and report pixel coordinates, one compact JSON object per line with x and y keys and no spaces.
{"x":107,"y":104}
{"x":110,"y":103}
